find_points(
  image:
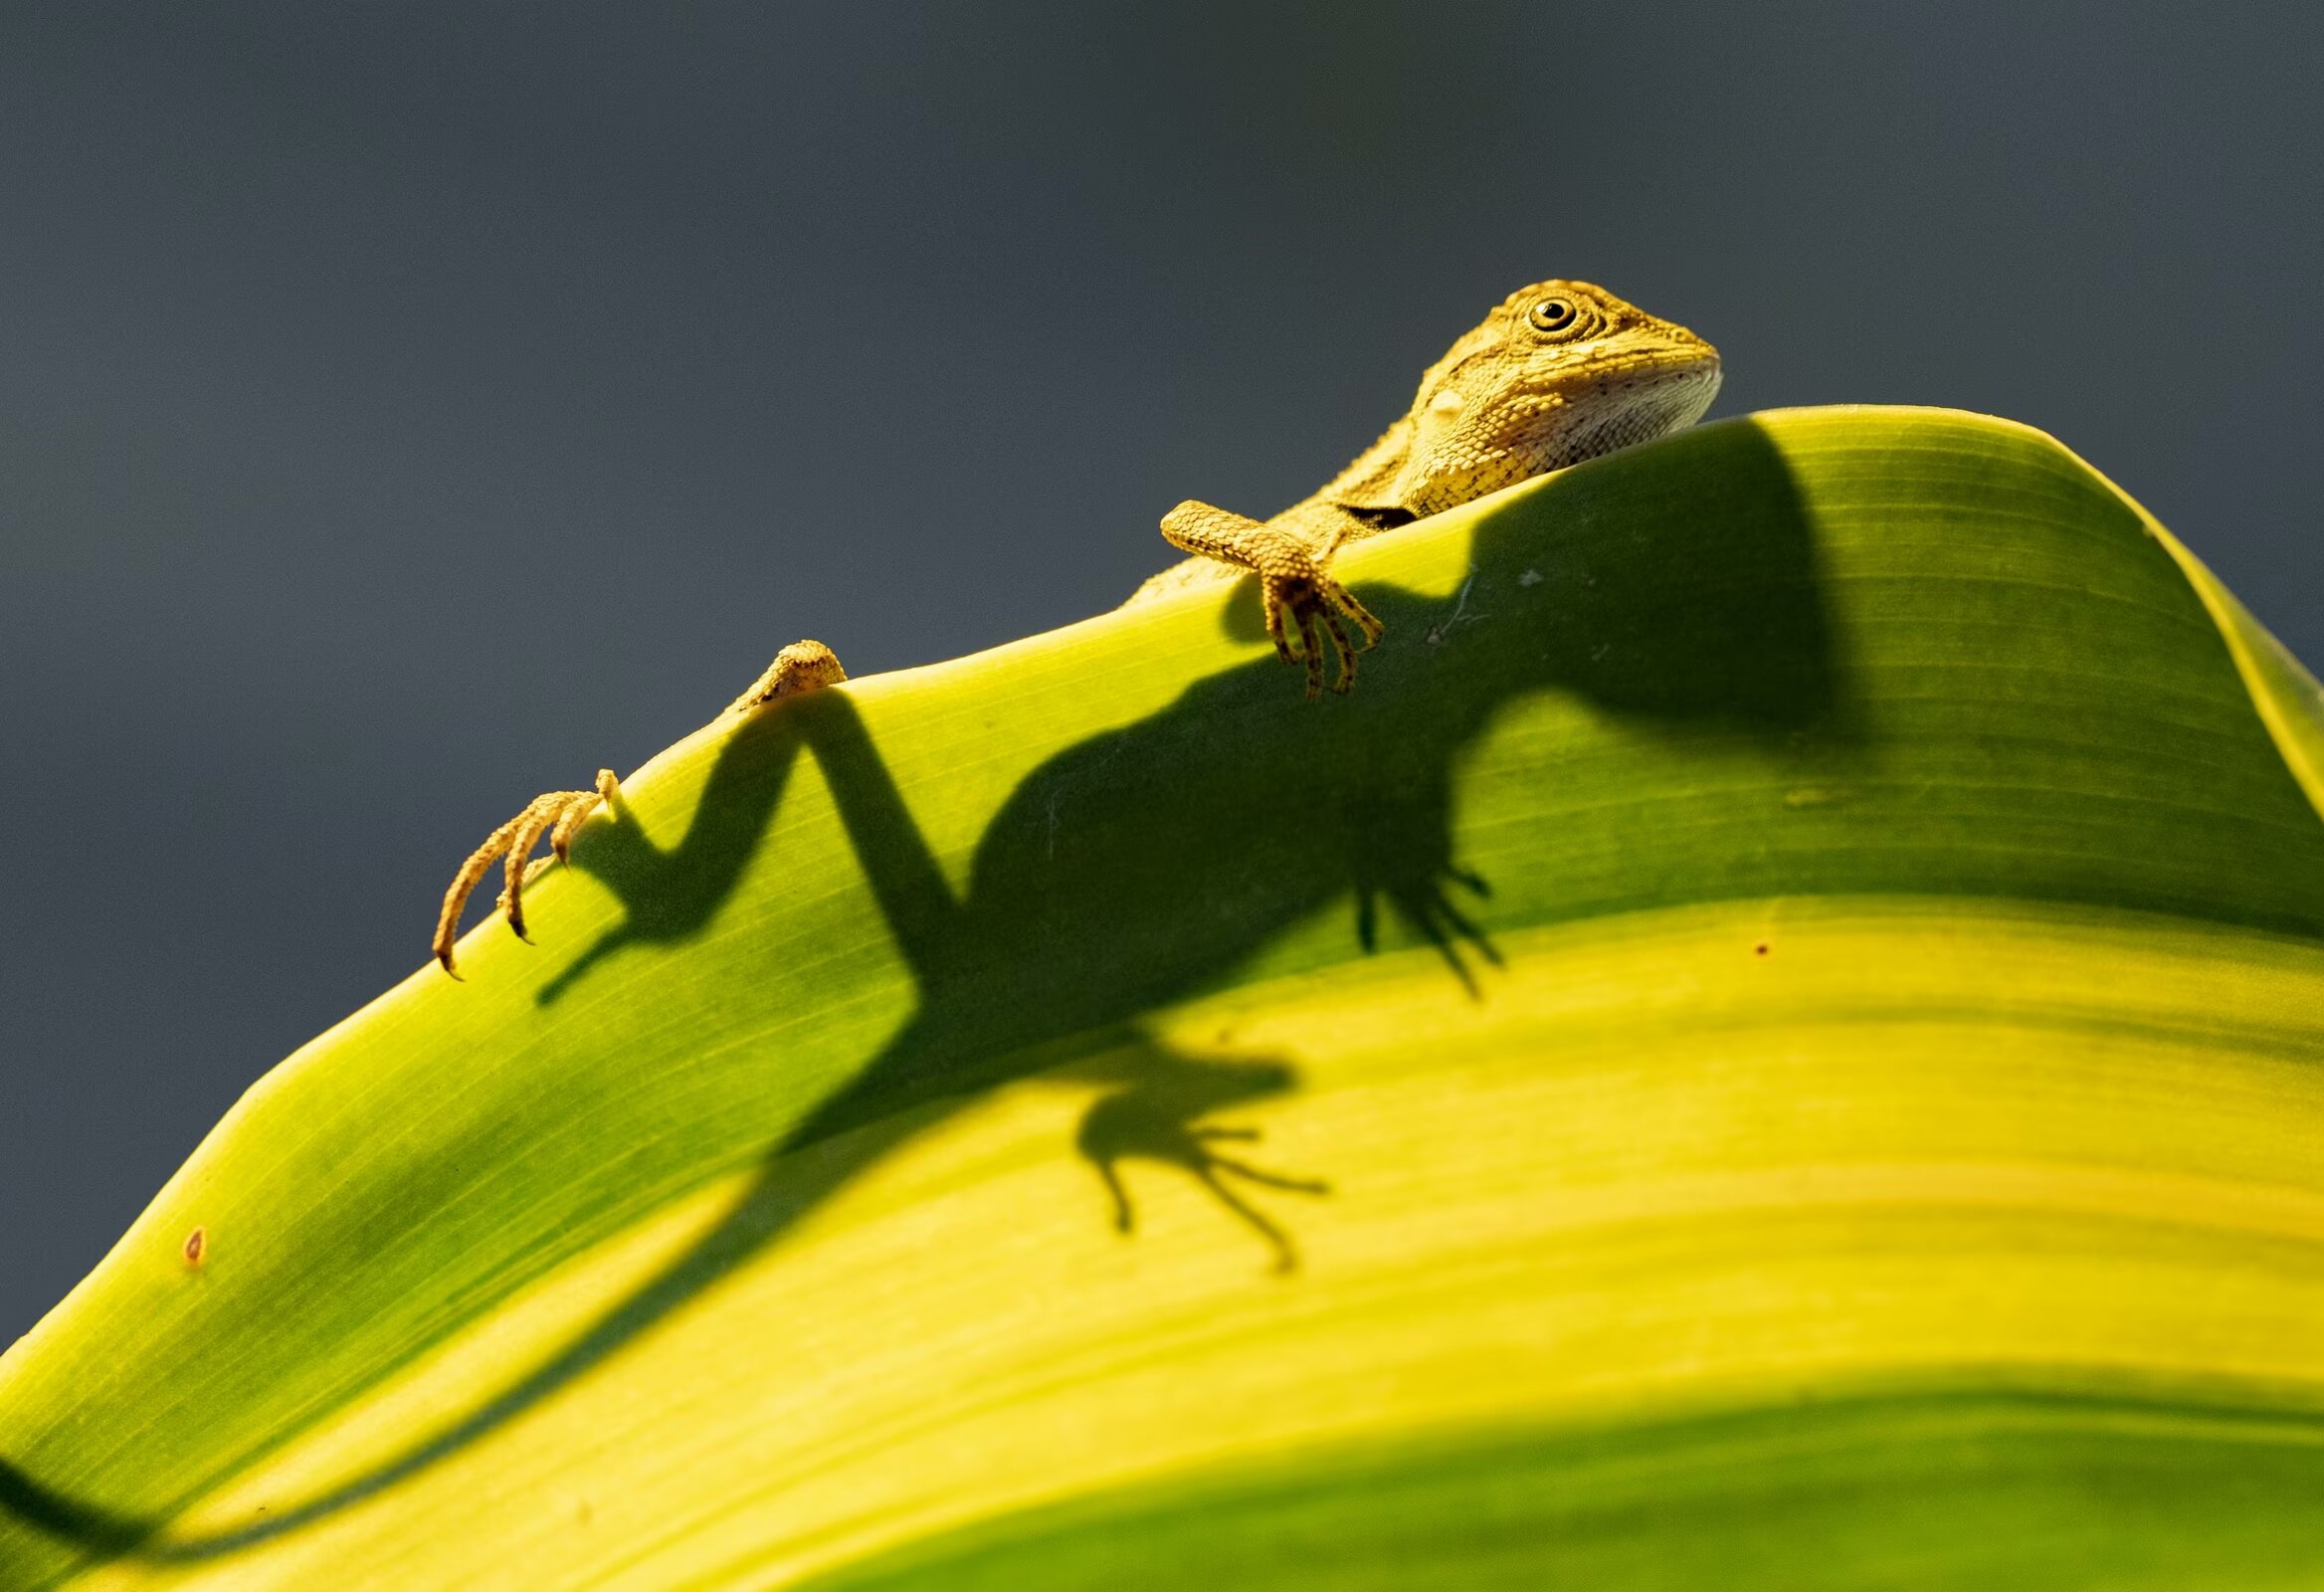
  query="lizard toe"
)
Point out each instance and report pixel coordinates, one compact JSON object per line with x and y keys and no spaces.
{"x":556,"y":815}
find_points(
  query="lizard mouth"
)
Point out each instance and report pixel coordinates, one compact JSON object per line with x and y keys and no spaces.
{"x":1640,"y":402}
{"x":1627,"y":391}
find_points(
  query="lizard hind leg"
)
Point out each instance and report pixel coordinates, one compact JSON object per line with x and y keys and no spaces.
{"x":538,"y":819}
{"x":556,"y":814}
{"x":609,"y":791}
{"x":802,"y":667}
{"x":798,"y":669}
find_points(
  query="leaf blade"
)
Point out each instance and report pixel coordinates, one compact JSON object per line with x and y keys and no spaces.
{"x":1916,"y":658}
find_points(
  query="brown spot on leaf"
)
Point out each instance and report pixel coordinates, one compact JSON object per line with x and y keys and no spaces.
{"x":196,"y":1245}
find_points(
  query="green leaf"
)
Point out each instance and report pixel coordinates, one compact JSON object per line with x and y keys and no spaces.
{"x":1785,"y":1011}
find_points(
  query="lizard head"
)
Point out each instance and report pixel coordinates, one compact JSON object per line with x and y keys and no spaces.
{"x":1559,"y":372}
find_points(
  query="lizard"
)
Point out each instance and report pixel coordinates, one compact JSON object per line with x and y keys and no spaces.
{"x":1559,"y":372}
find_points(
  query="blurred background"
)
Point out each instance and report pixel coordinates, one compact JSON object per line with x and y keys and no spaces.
{"x":406,"y":409}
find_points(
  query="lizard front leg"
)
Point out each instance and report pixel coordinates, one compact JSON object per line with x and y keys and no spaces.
{"x":1291,"y":576}
{"x":802,"y":667}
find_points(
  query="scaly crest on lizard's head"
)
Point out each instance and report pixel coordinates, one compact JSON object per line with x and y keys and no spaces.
{"x":1560,"y":372}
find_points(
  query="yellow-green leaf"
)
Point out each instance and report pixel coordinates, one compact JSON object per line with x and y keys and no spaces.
{"x":1786,"y":1013}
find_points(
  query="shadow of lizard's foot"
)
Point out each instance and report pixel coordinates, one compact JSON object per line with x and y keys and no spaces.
{"x":1128,"y":1125}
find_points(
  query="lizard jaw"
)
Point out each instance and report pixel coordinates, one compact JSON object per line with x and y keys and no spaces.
{"x":1619,"y":402}
{"x":1673,"y":398}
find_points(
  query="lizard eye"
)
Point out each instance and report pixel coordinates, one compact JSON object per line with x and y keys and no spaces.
{"x":1552,"y":315}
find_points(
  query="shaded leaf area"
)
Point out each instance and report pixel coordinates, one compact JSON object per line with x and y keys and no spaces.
{"x":1849,"y":653}
{"x":1933,"y":1490}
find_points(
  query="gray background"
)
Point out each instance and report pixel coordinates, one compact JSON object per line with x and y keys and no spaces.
{"x":403,"y":409}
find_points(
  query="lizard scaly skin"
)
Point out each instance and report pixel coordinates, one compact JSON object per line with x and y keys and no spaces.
{"x":1558,"y":372}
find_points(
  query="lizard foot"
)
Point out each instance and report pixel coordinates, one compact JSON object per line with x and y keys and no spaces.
{"x":802,"y":667}
{"x":1311,"y":596}
{"x":1291,"y":580}
{"x":557,"y":815}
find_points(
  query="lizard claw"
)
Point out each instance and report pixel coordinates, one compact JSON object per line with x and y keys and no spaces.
{"x":1311,"y":597}
{"x":556,"y":814}
{"x":1291,"y":581}
{"x":802,"y":667}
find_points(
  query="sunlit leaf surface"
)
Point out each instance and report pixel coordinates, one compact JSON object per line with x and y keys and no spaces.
{"x":1776,"y":1039}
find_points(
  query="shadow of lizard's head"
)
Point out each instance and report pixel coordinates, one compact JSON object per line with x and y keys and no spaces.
{"x":1559,"y":372}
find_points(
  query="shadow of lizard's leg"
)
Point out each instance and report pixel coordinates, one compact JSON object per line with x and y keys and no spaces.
{"x":903,"y":873}
{"x":801,"y":667}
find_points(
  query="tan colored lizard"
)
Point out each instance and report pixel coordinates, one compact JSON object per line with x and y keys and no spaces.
{"x":1558,"y":372}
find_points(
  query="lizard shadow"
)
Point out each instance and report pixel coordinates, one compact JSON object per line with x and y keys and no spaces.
{"x":1273,"y":811}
